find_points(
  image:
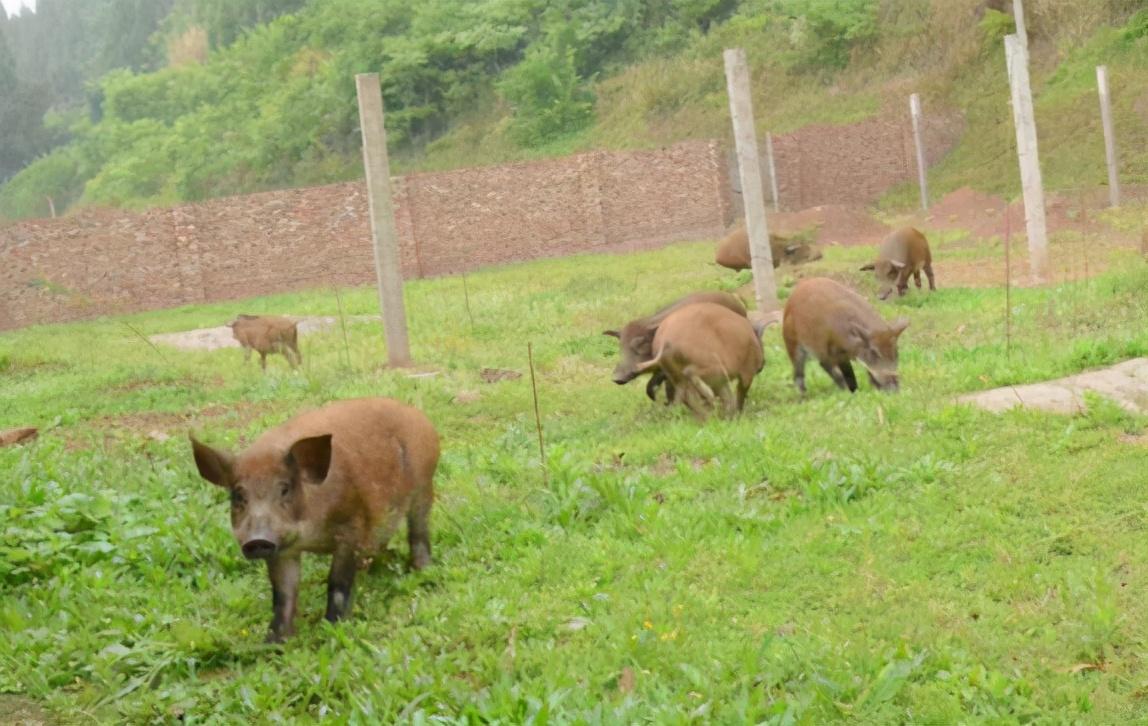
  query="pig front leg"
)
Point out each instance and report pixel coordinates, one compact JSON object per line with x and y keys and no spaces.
{"x":284,"y":572}
{"x":835,"y":373}
{"x":849,"y":376}
{"x":903,"y":281}
{"x":340,"y":580}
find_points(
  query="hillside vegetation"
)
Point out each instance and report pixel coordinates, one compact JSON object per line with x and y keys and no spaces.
{"x":483,"y":81}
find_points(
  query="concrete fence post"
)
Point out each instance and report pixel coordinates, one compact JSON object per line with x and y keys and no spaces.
{"x":388,"y":269}
{"x":749,"y":169}
{"x":1028,"y":156}
{"x":772,"y":171}
{"x":1109,"y":136}
{"x":922,"y":181}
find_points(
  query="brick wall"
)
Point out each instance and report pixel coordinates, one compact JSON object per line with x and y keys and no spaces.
{"x":851,"y":164}
{"x":99,"y":262}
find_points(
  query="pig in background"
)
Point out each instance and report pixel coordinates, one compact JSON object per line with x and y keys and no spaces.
{"x":337,"y":480}
{"x":267,"y":334}
{"x":904,"y":253}
{"x":733,"y":251}
{"x":835,"y":325}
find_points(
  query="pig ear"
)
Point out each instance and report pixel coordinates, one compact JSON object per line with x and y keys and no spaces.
{"x":898,"y":326}
{"x":311,"y":456}
{"x":215,"y":466}
{"x":612,"y":334}
{"x":870,"y":266}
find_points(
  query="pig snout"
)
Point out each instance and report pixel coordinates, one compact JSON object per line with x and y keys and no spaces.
{"x":624,"y":374}
{"x":259,"y":549}
{"x":885,"y":381}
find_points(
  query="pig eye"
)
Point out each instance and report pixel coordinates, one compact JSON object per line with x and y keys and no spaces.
{"x":284,"y":488}
{"x":237,"y":498}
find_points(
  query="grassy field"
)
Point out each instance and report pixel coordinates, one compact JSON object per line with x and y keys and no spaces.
{"x":878,"y":558}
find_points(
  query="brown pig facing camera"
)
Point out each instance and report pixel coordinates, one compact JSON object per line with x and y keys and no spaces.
{"x":835,"y":325}
{"x":337,"y":480}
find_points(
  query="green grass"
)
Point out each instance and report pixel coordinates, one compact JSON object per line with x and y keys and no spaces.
{"x":879,"y":558}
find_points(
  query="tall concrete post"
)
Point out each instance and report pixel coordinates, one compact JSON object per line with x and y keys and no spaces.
{"x":772,"y":172}
{"x":1028,"y":156}
{"x":749,"y":169}
{"x":915,"y":113}
{"x":1109,"y":136}
{"x":386,"y":238}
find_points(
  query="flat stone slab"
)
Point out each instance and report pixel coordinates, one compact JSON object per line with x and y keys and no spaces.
{"x":221,"y":337}
{"x":1125,"y":383}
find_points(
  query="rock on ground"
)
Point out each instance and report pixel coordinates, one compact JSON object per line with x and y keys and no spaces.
{"x":1124,"y":383}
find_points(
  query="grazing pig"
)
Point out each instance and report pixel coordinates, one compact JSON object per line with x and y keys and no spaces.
{"x":336,"y":480}
{"x":637,"y":337}
{"x":707,"y":351}
{"x":835,"y":325}
{"x":267,"y":334}
{"x":905,"y":252}
{"x":733,"y":251}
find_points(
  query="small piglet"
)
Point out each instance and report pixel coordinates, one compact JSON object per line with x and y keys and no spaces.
{"x":835,"y":325}
{"x":267,"y":334}
{"x":336,"y":480}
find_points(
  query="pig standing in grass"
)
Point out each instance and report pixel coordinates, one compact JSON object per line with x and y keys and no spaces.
{"x":337,"y":480}
{"x":637,"y":338}
{"x":905,"y":252}
{"x":835,"y":325}
{"x":733,"y":251}
{"x":267,"y":334}
{"x":707,"y":352}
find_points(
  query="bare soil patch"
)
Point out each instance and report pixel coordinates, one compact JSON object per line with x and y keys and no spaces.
{"x":835,"y":224}
{"x":19,"y":711}
{"x":161,"y":425}
{"x":494,"y":375}
{"x":986,"y":215}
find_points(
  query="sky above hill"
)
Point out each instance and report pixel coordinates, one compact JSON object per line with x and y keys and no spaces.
{"x":13,"y":6}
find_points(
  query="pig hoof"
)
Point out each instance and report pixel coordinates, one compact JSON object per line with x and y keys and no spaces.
{"x":420,"y":560}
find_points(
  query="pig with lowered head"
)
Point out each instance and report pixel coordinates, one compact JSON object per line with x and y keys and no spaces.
{"x":337,"y":480}
{"x":903,"y":253}
{"x":733,"y":251}
{"x":267,"y":334}
{"x":636,"y":339}
{"x":707,"y":352}
{"x":835,"y":325}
